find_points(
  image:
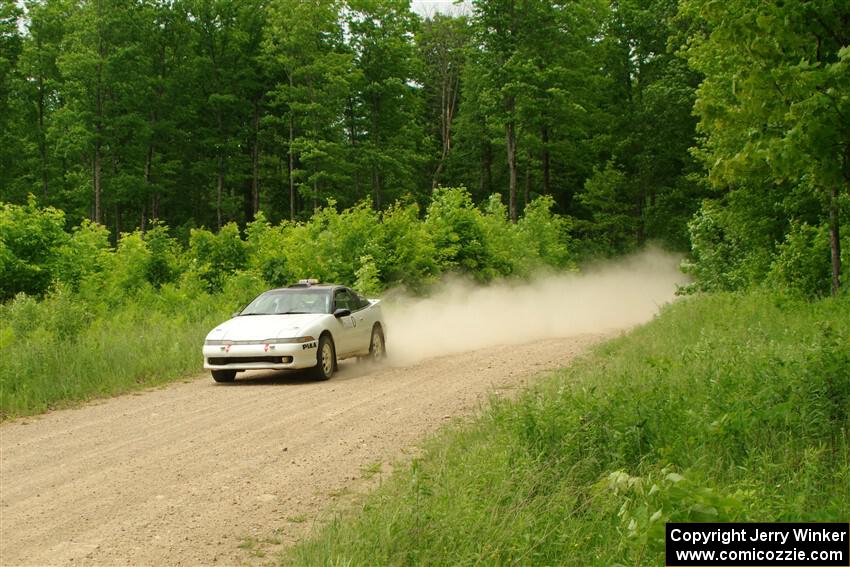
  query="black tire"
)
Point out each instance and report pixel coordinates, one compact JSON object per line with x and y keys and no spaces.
{"x":224,"y":375}
{"x":377,"y":345}
{"x":325,"y":358}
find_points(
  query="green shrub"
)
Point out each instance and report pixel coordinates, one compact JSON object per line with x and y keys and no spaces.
{"x":341,"y":239}
{"x":613,"y":225}
{"x":459,"y":235}
{"x":505,"y":244}
{"x":368,"y":282}
{"x":267,"y":250}
{"x":84,"y":254}
{"x":723,"y":255}
{"x":163,"y":265}
{"x":405,"y":252}
{"x":216,"y":256}
{"x":802,"y":263}
{"x":30,"y":242}
{"x":546,"y":234}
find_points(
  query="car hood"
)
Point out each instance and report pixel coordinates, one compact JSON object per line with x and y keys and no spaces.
{"x":261,"y":327}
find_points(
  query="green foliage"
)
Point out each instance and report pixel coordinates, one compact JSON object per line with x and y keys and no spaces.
{"x":408,"y":254}
{"x":63,"y":350}
{"x":744,"y":240}
{"x":458,"y":232}
{"x":725,"y":408}
{"x":267,"y":247}
{"x":30,"y":240}
{"x":612,"y":227}
{"x":723,"y":256}
{"x":162,"y":266}
{"x":774,"y":103}
{"x":367,"y":281}
{"x":203,"y":112}
{"x":339,"y":239}
{"x":539,"y":240}
{"x":216,"y":256}
{"x":802,"y":261}
{"x":546,"y":235}
{"x":84,"y":255}
{"x":125,"y":271}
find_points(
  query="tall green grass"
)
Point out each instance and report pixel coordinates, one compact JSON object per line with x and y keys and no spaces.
{"x":65,"y":349}
{"x":726,"y":407}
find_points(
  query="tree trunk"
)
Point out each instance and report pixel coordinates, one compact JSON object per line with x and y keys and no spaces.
{"x":291,"y":168}
{"x":510,"y":137}
{"x":486,"y":181}
{"x":376,"y":139}
{"x":527,"y":188}
{"x":834,"y":240}
{"x":255,"y":164}
{"x":96,"y":174}
{"x":547,"y":175}
{"x":98,"y":125}
{"x":640,"y":233}
{"x":117,"y":223}
{"x":220,"y":185}
{"x":148,"y":179}
{"x":377,"y":188}
{"x":42,"y":137}
{"x":352,"y":140}
{"x":291,"y":157}
{"x":448,"y":101}
{"x":219,"y":189}
{"x":98,"y":187}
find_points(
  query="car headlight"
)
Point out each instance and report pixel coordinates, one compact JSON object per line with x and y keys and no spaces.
{"x":290,"y":340}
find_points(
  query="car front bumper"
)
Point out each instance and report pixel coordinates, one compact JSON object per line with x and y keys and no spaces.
{"x":260,"y":356}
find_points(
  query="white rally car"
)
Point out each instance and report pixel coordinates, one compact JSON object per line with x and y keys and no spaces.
{"x":305,"y":325}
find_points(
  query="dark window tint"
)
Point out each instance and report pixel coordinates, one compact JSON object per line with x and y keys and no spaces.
{"x":361,"y":301}
{"x":343,"y":300}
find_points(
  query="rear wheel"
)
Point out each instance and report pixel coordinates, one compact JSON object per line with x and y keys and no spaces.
{"x":325,"y":358}
{"x":377,"y":346}
{"x":224,"y":375}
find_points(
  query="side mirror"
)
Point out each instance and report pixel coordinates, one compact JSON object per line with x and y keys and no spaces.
{"x":342,"y":312}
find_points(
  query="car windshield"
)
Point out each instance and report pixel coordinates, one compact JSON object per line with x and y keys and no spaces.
{"x":290,"y":301}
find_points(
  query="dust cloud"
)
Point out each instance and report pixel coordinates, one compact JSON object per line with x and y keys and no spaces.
{"x":461,"y":316}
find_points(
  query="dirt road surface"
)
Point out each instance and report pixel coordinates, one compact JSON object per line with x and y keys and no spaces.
{"x":199,"y":473}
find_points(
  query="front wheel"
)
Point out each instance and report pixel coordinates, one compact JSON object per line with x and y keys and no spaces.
{"x":325,"y":358}
{"x":224,"y":375}
{"x":377,"y":346}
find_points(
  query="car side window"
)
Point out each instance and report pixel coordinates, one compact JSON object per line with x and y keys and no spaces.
{"x":342,"y":300}
{"x":356,"y":301}
{"x":361,"y":301}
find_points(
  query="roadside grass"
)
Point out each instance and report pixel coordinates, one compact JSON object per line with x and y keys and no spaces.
{"x":60,"y":351}
{"x":725,"y":408}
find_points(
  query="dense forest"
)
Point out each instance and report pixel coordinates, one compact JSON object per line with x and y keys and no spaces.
{"x":719,"y":128}
{"x":162,"y":162}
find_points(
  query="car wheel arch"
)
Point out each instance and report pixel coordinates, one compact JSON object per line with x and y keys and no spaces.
{"x":326,"y":335}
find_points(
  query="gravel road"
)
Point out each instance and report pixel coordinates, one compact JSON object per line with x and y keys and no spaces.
{"x":198,"y":473}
